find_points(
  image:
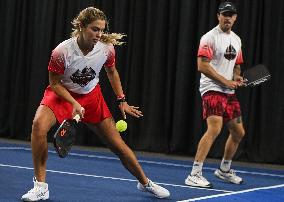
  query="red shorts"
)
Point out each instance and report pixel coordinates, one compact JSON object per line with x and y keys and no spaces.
{"x":94,"y":104}
{"x":220,"y":104}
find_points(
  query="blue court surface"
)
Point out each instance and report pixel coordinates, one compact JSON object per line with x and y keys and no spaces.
{"x":89,"y":175}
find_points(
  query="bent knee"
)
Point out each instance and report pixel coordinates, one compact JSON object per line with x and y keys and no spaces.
{"x":39,"y":127}
{"x":213,"y":132}
{"x":238,"y":135}
{"x":214,"y":126}
{"x":241,"y":133}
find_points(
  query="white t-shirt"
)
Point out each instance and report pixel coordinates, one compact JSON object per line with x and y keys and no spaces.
{"x":224,"y":52}
{"x":80,"y":73}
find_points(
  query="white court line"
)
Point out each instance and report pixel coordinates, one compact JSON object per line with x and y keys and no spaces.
{"x":107,"y":177}
{"x":149,"y":162}
{"x":233,"y":193}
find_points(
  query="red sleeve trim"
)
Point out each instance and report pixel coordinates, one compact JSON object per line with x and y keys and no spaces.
{"x":110,"y":62}
{"x":56,"y":63}
{"x":205,"y":50}
{"x":239,"y":58}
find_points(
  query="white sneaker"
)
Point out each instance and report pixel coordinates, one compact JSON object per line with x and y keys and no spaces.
{"x":39,"y":192}
{"x":229,"y":176}
{"x":155,"y":189}
{"x":197,"y":180}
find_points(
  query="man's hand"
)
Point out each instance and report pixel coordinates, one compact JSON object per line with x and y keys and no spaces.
{"x":232,"y":84}
{"x":239,"y":79}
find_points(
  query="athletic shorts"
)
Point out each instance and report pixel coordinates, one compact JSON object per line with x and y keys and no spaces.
{"x":221,"y":104}
{"x":94,"y":104}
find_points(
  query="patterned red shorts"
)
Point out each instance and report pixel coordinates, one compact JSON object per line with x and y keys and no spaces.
{"x":94,"y":104}
{"x":221,"y":104}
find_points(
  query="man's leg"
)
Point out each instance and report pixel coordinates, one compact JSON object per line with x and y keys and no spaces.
{"x":43,"y":121}
{"x":109,"y":134}
{"x":237,"y":132}
{"x":214,"y":126}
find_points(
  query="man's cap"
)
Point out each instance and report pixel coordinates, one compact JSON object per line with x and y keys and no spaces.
{"x":227,"y":6}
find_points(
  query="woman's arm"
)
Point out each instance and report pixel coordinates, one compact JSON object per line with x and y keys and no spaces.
{"x":61,"y":91}
{"x":115,"y":82}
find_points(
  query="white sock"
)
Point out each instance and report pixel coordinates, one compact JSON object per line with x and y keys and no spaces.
{"x":197,"y":167}
{"x":225,"y":165}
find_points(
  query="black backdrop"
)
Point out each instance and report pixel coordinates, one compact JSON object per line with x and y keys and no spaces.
{"x":157,"y":67}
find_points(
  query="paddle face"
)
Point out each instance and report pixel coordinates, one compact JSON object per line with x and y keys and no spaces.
{"x":256,"y":75}
{"x":64,"y":137}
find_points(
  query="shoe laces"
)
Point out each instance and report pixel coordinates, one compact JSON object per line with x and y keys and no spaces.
{"x":152,"y":186}
{"x":232,"y":172}
{"x":34,"y":190}
{"x":200,"y":177}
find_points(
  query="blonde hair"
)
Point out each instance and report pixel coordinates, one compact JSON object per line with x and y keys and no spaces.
{"x":87,"y":16}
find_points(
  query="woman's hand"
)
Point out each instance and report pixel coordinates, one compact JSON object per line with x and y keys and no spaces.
{"x":131,"y":110}
{"x":78,"y":109}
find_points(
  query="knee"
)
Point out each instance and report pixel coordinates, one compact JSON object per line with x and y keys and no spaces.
{"x":238,"y":135}
{"x":214,"y":126}
{"x":241,"y":133}
{"x":213,"y":132}
{"x":39,"y":128}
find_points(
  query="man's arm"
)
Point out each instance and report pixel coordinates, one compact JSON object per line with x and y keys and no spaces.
{"x":205,"y":68}
{"x":237,"y":70}
{"x":237,"y":74}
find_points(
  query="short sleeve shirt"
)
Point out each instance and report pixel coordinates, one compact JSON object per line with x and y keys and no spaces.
{"x":224,"y":52}
{"x":80,"y":72}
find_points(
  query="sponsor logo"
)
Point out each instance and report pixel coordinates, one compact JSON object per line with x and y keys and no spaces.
{"x":230,"y":53}
{"x":62,"y":132}
{"x":83,"y":77}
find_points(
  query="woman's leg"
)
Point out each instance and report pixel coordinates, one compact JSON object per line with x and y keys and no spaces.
{"x":44,"y":119}
{"x":108,"y":133}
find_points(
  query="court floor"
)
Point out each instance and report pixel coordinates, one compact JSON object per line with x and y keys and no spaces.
{"x":96,"y":175}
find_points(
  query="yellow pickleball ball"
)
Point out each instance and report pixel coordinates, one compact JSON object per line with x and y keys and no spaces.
{"x":121,"y":125}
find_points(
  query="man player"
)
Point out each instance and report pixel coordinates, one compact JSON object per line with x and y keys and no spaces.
{"x":219,"y":59}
